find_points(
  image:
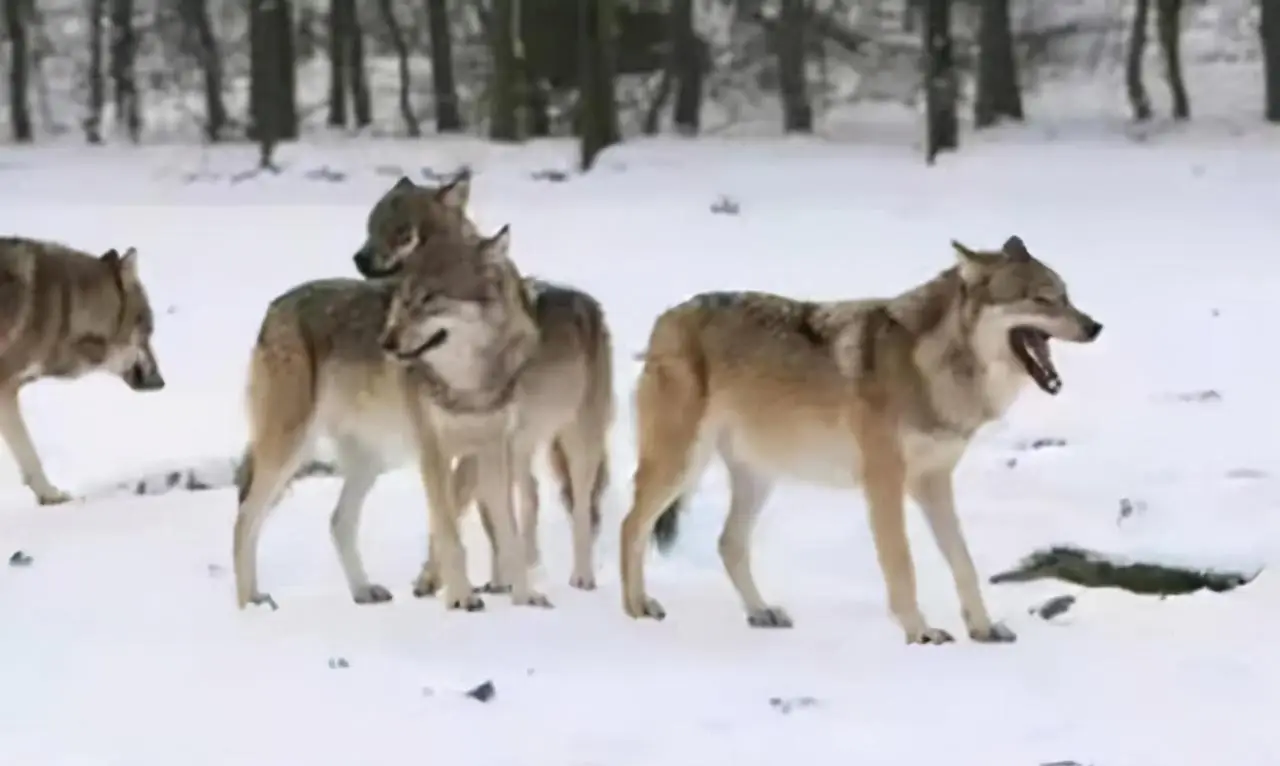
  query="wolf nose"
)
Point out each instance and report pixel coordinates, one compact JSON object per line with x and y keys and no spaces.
{"x":1092,"y":330}
{"x":388,"y":343}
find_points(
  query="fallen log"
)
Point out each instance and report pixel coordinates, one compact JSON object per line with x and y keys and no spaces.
{"x":1096,"y":570}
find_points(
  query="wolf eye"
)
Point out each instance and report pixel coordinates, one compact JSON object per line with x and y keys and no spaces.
{"x":1044,"y":300}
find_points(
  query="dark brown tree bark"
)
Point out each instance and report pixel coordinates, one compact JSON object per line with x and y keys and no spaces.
{"x":199,"y":33}
{"x":15,"y":22}
{"x":504,"y":122}
{"x":346,"y":57}
{"x":97,"y":88}
{"x":124,"y":51}
{"x":537,"y":104}
{"x":272,"y":76}
{"x":597,"y":104}
{"x":687,"y":67}
{"x":401,"y":45}
{"x":942,"y":123}
{"x":797,"y":112}
{"x":448,"y":116}
{"x":1168,"y":32}
{"x":1269,"y":31}
{"x":1138,"y":100}
{"x":998,"y":95}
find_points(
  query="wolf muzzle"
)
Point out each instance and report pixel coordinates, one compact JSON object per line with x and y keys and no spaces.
{"x":141,"y":377}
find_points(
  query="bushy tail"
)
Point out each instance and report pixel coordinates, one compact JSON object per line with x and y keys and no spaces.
{"x":667,"y":528}
{"x":244,"y":475}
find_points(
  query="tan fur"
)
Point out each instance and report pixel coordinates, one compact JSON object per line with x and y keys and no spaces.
{"x":65,"y":313}
{"x":882,"y":394}
{"x":320,"y":369}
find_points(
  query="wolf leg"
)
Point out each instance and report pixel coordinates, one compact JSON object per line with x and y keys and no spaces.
{"x":749,"y":489}
{"x":933,"y":492}
{"x":14,"y":430}
{"x":359,"y":471}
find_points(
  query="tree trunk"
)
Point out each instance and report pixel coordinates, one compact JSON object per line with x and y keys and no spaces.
{"x":124,"y":48}
{"x":15,"y":22}
{"x":272,"y":77}
{"x":504,"y":124}
{"x":361,"y":103}
{"x":941,"y":120}
{"x":536,"y":103}
{"x":597,"y":105}
{"x":1269,"y":31}
{"x":398,"y":42}
{"x":199,"y":29}
{"x":448,"y":116}
{"x":341,"y":18}
{"x":998,"y":95}
{"x":687,"y":66}
{"x":97,"y":89}
{"x":1168,"y":30}
{"x":797,"y":113}
{"x":1138,"y":100}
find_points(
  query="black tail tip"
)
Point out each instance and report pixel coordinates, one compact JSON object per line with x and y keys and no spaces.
{"x":667,"y":528}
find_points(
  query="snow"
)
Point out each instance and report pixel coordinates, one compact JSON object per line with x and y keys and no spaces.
{"x":121,"y":643}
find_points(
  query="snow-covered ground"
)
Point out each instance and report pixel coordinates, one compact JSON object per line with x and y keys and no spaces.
{"x":121,"y":643}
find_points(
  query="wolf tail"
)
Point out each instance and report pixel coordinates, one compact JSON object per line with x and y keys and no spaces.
{"x":667,"y":528}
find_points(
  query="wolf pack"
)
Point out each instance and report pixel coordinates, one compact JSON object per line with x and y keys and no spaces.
{"x":443,"y":352}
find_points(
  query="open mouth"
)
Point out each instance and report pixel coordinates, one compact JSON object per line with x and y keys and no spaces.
{"x":435,"y":341}
{"x":369,"y":271}
{"x":1031,"y":347}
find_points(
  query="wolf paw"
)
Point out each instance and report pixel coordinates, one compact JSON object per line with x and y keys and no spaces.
{"x":426,"y":585}
{"x":995,"y":633}
{"x":371,"y":594}
{"x":583,"y":581}
{"x":769,"y":617}
{"x":52,"y":497}
{"x":492,"y":588}
{"x":646,"y":607}
{"x":468,"y":603}
{"x":259,"y":599}
{"x":532,"y":598}
{"x":930,"y":636}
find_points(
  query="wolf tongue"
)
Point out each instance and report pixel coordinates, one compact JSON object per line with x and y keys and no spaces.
{"x":1038,"y":345}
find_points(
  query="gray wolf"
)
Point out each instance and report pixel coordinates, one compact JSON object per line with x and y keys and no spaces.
{"x":65,"y":313}
{"x":885,"y":394}
{"x":567,"y":395}
{"x":408,"y":215}
{"x":348,"y":360}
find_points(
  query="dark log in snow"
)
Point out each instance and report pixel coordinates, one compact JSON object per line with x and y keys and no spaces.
{"x":1097,"y":570}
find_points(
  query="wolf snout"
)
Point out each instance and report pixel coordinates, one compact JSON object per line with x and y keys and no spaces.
{"x":1091,"y":328}
{"x":363,"y":260}
{"x":389,"y":342}
{"x":140,"y":377}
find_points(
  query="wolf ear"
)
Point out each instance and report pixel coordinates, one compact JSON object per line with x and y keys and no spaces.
{"x":494,"y":249}
{"x":1015,"y":249}
{"x":457,"y":193}
{"x":405,"y":182}
{"x":969,"y":262}
{"x":125,"y":265}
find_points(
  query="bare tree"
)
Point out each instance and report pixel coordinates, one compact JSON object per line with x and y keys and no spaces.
{"x":448,"y":116}
{"x":15,"y":22}
{"x":1269,"y":31}
{"x":998,"y":95}
{"x":597,"y":104}
{"x":198,"y":31}
{"x":272,"y":78}
{"x":536,"y":104}
{"x":347,"y":75}
{"x":124,"y":51}
{"x":504,"y":123}
{"x":97,"y":89}
{"x":940,"y":87}
{"x":1138,"y":99}
{"x":1168,"y":31}
{"x":789,"y":42}
{"x":687,"y":55}
{"x":401,"y":46}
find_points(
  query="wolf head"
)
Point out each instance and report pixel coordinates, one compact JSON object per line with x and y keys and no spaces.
{"x":461,"y":309}
{"x":408,"y":215}
{"x":125,"y":350}
{"x":1017,"y":304}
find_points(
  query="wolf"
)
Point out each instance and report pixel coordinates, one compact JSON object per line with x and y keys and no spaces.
{"x":65,"y":313}
{"x":881,"y":393}
{"x":567,"y":398}
{"x":343,"y":358}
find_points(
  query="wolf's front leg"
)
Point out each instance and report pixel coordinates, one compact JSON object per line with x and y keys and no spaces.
{"x":14,"y":430}
{"x":494,"y":491}
{"x":446,"y":543}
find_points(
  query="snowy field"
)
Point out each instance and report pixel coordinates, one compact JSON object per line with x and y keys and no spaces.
{"x":120,"y":644}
